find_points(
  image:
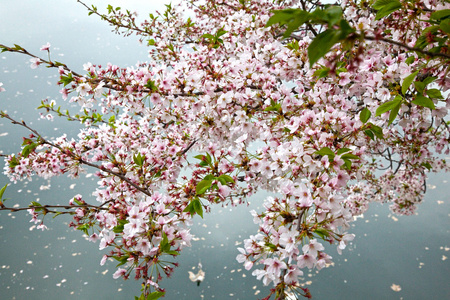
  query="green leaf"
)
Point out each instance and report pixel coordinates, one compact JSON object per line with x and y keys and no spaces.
{"x":77,"y":201}
{"x":333,"y":15}
{"x":139,"y":159}
{"x":324,"y":41}
{"x":445,"y":25}
{"x":321,"y":44}
{"x":286,"y":16}
{"x":376,"y":130}
{"x":427,"y":165}
{"x":151,"y":85}
{"x":209,"y":177}
{"x":410,"y":60}
{"x":122,"y":259}
{"x":326,"y":151}
{"x":155,"y":295}
{"x":387,"y":106}
{"x":203,"y":186}
{"x":275,"y":107}
{"x":386,"y":7}
{"x":343,"y":150}
{"x":347,"y":164}
{"x":322,"y":232}
{"x":14,"y":162}
{"x":434,"y":94}
{"x":198,"y":207}
{"x":28,"y":149}
{"x":164,"y":244}
{"x":208,"y":36}
{"x":365,"y":115}
{"x":423,"y":101}
{"x":350,"y":156}
{"x":407,"y":82}
{"x":429,"y":80}
{"x":2,"y":191}
{"x":321,"y":73}
{"x":220,"y":32}
{"x":370,"y":134}
{"x":422,"y":40}
{"x":206,"y":160}
{"x":66,"y":79}
{"x":394,"y":112}
{"x":195,"y":207}
{"x":84,"y":228}
{"x":120,"y":226}
{"x":440,"y":14}
{"x":271,"y":246}
{"x":420,"y":86}
{"x":17,"y":47}
{"x":224,"y":179}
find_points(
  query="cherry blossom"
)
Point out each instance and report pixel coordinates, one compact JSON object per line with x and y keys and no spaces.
{"x":231,"y":103}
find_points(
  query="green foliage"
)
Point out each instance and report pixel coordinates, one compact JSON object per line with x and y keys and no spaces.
{"x":139,"y":159}
{"x":164,"y":245}
{"x":408,"y":81}
{"x":386,"y":7}
{"x":123,"y":259}
{"x":326,"y":151}
{"x":84,"y":228}
{"x":293,"y":18}
{"x":225,"y":179}
{"x":322,"y":233}
{"x":120,"y":225}
{"x":338,"y":28}
{"x":392,"y":106}
{"x":66,"y":79}
{"x":28,"y":149}
{"x":203,"y":186}
{"x":274,"y":106}
{"x":195,"y":207}
{"x":13,"y":162}
{"x":323,"y":42}
{"x":2,"y":191}
{"x":151,"y":296}
{"x":372,"y":131}
{"x":423,"y":101}
{"x":205,"y":160}
{"x":214,"y":40}
{"x":365,"y":115}
{"x":151,"y":85}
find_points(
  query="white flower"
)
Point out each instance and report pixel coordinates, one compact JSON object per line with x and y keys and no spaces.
{"x":35,"y":62}
{"x":83,"y":89}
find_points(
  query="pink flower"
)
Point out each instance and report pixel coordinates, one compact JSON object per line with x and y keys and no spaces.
{"x":224,"y":190}
{"x":1,"y":89}
{"x":83,"y":89}
{"x":306,"y":260}
{"x":35,"y":62}
{"x":313,"y":247}
{"x":274,"y":266}
{"x":119,"y":273}
{"x":45,"y":47}
{"x":42,"y":226}
{"x":292,"y":275}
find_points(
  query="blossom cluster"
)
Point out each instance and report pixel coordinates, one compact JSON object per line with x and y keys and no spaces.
{"x":227,"y":87}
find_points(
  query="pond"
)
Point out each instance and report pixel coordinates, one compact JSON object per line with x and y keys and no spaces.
{"x":391,"y":257}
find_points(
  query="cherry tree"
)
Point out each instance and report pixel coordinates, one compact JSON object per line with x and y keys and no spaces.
{"x":326,"y":107}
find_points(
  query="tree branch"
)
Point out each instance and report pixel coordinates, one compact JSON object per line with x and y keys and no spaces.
{"x":402,"y":45}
